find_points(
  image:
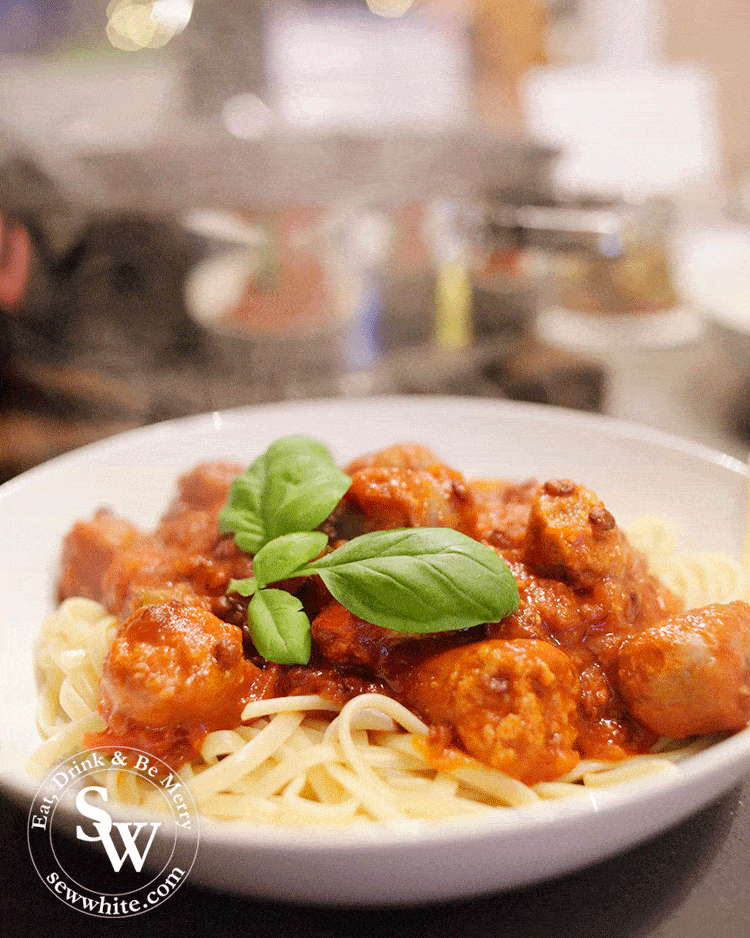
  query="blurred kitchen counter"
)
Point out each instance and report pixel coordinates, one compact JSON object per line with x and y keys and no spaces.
{"x":51,"y":406}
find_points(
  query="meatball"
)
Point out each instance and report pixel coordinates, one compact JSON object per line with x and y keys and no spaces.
{"x":690,"y":673}
{"x":501,"y":513}
{"x":512,"y":704}
{"x":571,"y":535}
{"x":190,"y":520}
{"x":399,"y":456}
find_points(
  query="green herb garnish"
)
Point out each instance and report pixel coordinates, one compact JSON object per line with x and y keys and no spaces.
{"x":411,"y":580}
{"x":293,"y":486}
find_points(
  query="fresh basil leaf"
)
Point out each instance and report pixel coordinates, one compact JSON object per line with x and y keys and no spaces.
{"x":292,"y":487}
{"x":283,"y":556}
{"x":279,"y":627}
{"x":250,"y":542}
{"x":243,"y":511}
{"x":303,"y":485}
{"x":296,"y":450}
{"x":245,"y":587}
{"x":419,"y":580}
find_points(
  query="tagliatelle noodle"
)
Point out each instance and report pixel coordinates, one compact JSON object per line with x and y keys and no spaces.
{"x":699,"y":578}
{"x":289,"y":763}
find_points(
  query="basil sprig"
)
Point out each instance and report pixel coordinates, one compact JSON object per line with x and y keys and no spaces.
{"x":411,"y":580}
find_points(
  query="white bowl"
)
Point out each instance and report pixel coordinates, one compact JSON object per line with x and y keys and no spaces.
{"x":635,"y":471}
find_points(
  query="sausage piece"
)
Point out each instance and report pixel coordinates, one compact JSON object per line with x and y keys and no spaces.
{"x":173,"y":664}
{"x":89,"y":549}
{"x":501,"y":513}
{"x":573,"y":538}
{"x":190,"y":520}
{"x":404,"y":486}
{"x":347,"y":640}
{"x":690,"y":673}
{"x":398,"y":456}
{"x":512,"y":704}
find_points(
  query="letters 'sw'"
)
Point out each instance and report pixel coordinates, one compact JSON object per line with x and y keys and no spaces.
{"x":128,"y":832}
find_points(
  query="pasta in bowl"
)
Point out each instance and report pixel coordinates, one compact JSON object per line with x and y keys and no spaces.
{"x":366,"y":746}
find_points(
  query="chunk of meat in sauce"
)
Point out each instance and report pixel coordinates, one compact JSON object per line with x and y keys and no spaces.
{"x":404,"y":486}
{"x":345,"y":639}
{"x":690,"y":674}
{"x":512,"y":704}
{"x":190,"y":520}
{"x":172,"y":674}
{"x":572,"y":538}
{"x":500,"y":513}
{"x":550,"y":610}
{"x":89,"y":550}
{"x":170,"y":663}
{"x":399,"y":456}
{"x":186,"y":559}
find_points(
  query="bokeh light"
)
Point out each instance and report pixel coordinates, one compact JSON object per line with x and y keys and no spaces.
{"x":390,"y":8}
{"x":134,"y":25}
{"x":245,"y":116}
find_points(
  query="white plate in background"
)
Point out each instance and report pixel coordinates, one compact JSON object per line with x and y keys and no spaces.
{"x":714,"y":274}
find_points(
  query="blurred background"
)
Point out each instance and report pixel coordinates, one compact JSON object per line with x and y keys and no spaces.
{"x":212,"y":203}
